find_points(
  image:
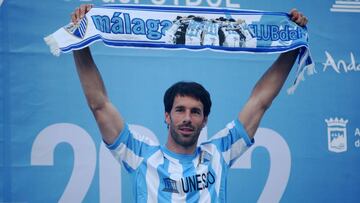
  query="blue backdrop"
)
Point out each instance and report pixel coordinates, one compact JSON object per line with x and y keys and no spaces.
{"x":307,"y":148}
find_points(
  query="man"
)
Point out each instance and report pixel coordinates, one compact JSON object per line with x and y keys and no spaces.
{"x":181,"y":171}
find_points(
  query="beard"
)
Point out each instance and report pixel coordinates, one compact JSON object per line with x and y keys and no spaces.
{"x":184,"y":140}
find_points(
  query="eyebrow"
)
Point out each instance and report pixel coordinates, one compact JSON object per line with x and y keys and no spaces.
{"x":183,"y":107}
{"x":196,"y":108}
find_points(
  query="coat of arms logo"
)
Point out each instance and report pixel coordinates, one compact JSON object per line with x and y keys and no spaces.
{"x":337,"y":138}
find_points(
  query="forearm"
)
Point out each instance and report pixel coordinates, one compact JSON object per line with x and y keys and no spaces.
{"x":270,"y":84}
{"x":265,"y":91}
{"x":90,"y":78}
{"x":107,"y":117}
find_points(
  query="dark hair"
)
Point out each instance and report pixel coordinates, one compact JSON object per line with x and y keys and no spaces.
{"x":191,"y":89}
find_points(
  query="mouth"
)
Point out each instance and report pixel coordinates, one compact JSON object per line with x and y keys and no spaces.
{"x":186,"y":130}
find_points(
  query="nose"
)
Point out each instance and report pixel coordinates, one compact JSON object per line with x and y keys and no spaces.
{"x":187,"y":117}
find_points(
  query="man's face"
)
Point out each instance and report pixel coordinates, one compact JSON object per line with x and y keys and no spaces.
{"x":186,"y":120}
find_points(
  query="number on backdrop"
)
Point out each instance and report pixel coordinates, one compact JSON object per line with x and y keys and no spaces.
{"x":280,"y":163}
{"x":84,"y":149}
{"x":42,"y":154}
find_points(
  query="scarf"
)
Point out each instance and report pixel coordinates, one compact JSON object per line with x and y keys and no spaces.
{"x":230,"y":30}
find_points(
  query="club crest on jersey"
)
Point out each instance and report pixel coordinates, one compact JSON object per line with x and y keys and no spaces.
{"x":79,"y":29}
{"x":205,"y":157}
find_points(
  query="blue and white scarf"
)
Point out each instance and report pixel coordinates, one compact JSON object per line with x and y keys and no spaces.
{"x":190,"y":28}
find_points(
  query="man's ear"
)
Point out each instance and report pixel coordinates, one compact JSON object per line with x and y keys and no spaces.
{"x":205,"y":121}
{"x":167,"y":118}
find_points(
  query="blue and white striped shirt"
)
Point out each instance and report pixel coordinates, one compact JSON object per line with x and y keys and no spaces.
{"x":164,"y":176}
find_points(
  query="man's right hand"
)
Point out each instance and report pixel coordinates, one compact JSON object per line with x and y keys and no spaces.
{"x":80,"y":12}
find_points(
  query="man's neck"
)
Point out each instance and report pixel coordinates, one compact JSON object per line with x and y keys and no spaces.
{"x":180,"y":149}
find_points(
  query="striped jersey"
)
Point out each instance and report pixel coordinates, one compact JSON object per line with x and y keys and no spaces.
{"x":164,"y":176}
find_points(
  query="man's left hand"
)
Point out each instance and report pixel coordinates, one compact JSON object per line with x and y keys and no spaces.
{"x":298,"y":17}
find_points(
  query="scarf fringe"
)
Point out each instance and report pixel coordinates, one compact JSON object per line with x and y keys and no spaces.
{"x":304,"y":66}
{"x":53,"y":45}
{"x":310,"y":70}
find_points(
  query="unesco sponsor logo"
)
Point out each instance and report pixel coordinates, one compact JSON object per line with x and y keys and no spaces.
{"x":337,"y":135}
{"x":341,"y":66}
{"x":346,"y":6}
{"x":189,"y":184}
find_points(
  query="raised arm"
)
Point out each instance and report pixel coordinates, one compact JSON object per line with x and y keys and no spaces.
{"x":269,"y":85}
{"x":107,"y":117}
